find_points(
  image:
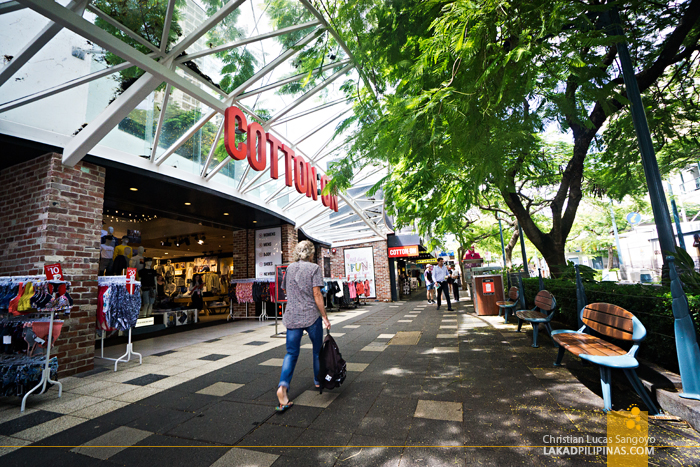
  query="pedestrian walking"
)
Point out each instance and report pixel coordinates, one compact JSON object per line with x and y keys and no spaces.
{"x":440,"y":275}
{"x":429,"y":284}
{"x":305,"y":312}
{"x":456,"y":281}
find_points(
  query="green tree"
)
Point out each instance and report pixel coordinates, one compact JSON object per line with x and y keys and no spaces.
{"x":470,"y":86}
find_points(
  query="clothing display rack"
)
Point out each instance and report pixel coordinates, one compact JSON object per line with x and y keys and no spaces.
{"x":263,"y":315}
{"x":118,"y":280}
{"x":40,"y":312}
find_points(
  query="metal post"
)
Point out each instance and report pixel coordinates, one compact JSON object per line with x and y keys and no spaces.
{"x":681,"y":241}
{"x":526,"y":270}
{"x":539,"y":273}
{"x":392,"y":279}
{"x":503,"y":248}
{"x":580,"y":297}
{"x":623,"y":272}
{"x":686,"y":339}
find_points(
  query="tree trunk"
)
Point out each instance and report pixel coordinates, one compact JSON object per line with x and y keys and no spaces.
{"x":510,"y":246}
{"x":610,"y":257}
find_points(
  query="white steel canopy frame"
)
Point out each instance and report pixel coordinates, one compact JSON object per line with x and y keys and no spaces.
{"x":359,"y":216}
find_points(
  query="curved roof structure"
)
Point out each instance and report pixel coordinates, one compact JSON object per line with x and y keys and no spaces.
{"x":77,"y":78}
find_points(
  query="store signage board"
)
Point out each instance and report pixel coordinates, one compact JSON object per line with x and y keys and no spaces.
{"x":53,"y":272}
{"x":259,"y":145}
{"x":268,"y":251}
{"x":280,"y":271}
{"x":427,"y":261}
{"x":403,"y":251}
{"x":359,"y":266}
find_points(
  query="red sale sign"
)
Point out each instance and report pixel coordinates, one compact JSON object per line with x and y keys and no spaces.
{"x":53,"y":272}
{"x":130,"y":279}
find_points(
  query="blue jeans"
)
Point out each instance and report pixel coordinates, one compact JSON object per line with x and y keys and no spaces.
{"x":315,"y":332}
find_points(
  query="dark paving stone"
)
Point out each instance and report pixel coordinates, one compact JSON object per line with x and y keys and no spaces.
{"x":245,"y":332}
{"x":163,"y":354}
{"x":145,"y":380}
{"x":210,"y":341}
{"x":77,"y":435}
{"x":433,"y":457}
{"x":214,"y":357}
{"x":195,"y":454}
{"x":161,"y":420}
{"x":300,"y":416}
{"x":56,"y":457}
{"x":178,"y":400}
{"x":224,"y":422}
{"x":27,"y":421}
{"x":371,"y":451}
{"x":429,"y":432}
{"x":320,"y":446}
{"x":267,"y":437}
{"x":94,"y":371}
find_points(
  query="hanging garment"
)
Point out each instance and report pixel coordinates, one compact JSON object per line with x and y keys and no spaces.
{"x":368,"y":291}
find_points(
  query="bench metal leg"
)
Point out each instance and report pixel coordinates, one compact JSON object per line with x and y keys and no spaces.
{"x":549,"y":330}
{"x":520,"y":324}
{"x":500,"y":311}
{"x":560,"y":356}
{"x":535,"y":330}
{"x":641,"y":390}
{"x":506,"y":311}
{"x":605,"y":384}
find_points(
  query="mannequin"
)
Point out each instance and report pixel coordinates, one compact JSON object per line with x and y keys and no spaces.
{"x":137,"y":260}
{"x":122,"y":255}
{"x":169,"y":271}
{"x":106,"y":251}
{"x":147,"y":276}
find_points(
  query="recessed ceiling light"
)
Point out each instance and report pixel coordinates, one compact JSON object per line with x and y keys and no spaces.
{"x":134,"y":189}
{"x":187,"y":204}
{"x":255,"y":222}
{"x":223,"y":236}
{"x":225,"y":214}
{"x":166,"y":252}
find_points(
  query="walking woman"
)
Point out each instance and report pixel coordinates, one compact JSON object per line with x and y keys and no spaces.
{"x":305,"y":312}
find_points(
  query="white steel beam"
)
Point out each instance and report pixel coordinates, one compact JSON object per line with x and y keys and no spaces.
{"x":249,"y":40}
{"x":274,"y":196}
{"x":122,"y":28}
{"x":322,"y":126}
{"x":161,"y":119}
{"x":291,"y":79}
{"x":296,"y":48}
{"x":37,"y":43}
{"x":315,"y":109}
{"x":356,"y":241}
{"x":9,"y":7}
{"x":167,"y":25}
{"x":110,"y":117}
{"x":309,"y":94}
{"x":206,"y":25}
{"x":80,"y":26}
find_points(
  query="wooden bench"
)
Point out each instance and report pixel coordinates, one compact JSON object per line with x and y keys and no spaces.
{"x":613,"y":322}
{"x":509,"y":305}
{"x":544,"y":303}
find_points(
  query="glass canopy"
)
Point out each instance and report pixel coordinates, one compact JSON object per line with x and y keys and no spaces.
{"x":149,"y":89}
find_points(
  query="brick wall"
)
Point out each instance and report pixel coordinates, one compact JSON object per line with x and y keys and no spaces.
{"x":381,"y":266}
{"x":53,"y":214}
{"x":290,"y":239}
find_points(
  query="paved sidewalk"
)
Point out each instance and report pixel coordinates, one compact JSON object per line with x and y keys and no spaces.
{"x":424,"y":387}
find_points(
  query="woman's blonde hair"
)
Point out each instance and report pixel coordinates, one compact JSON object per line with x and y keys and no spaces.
{"x":304,"y":251}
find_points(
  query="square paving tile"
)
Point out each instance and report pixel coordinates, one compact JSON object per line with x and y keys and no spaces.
{"x":449,"y":320}
{"x":25,"y":421}
{"x":163,"y":354}
{"x":405,"y":321}
{"x":49,"y":428}
{"x":245,"y":457}
{"x":111,"y":443}
{"x":255,"y":343}
{"x":445,"y":350}
{"x":214,"y":357}
{"x":406,"y":338}
{"x":212,"y":340}
{"x":385,"y":336}
{"x":273,"y":362}
{"x":220,"y":389}
{"x":356,"y":366}
{"x":439,"y":410}
{"x":447,"y":336}
{"x":314,"y":399}
{"x":146,"y":380}
{"x":137,"y":394}
{"x":352,"y":326}
{"x":373,"y":348}
{"x":99,"y":409}
{"x":448,"y":326}
{"x":94,"y":371}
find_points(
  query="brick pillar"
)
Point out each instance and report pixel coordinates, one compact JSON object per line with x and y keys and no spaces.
{"x":381,"y":266}
{"x":53,"y":214}
{"x":290,"y":239}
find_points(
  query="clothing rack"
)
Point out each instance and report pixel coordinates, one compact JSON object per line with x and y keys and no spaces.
{"x":263,"y":315}
{"x":46,"y":372}
{"x":118,"y":280}
{"x":246,"y":281}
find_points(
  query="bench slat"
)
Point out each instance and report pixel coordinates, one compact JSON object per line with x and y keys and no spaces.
{"x":505,"y":303}
{"x":544,"y":300}
{"x":615,"y":321}
{"x":513,"y":293}
{"x":530,"y":314}
{"x":608,"y":330}
{"x":578,"y":343}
